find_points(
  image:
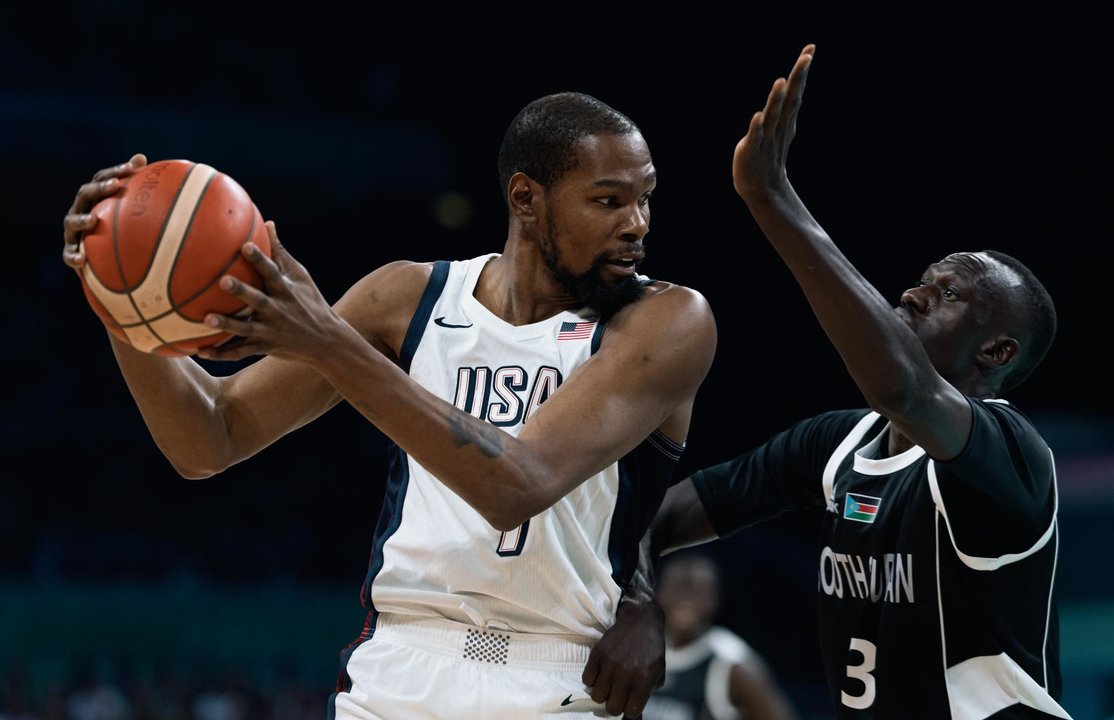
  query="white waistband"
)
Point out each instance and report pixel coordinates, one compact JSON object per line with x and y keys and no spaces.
{"x":485,"y":645}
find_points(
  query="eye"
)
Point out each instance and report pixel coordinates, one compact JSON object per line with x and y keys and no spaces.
{"x":610,"y":201}
{"x":951,"y":292}
{"x":645,"y":199}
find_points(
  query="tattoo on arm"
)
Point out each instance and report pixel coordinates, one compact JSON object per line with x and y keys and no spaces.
{"x":487,"y":439}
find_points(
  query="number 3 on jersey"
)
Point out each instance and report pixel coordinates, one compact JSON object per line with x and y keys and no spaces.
{"x":860,"y":672}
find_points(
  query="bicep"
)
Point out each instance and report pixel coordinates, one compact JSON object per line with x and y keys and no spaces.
{"x":273,"y":397}
{"x":643,"y":378}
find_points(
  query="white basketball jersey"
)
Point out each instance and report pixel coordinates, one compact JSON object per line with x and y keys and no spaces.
{"x":435,"y":556}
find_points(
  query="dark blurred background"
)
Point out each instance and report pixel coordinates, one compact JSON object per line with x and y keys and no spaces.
{"x":368,"y":141}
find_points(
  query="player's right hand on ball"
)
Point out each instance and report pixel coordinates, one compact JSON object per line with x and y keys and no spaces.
{"x":79,"y":220}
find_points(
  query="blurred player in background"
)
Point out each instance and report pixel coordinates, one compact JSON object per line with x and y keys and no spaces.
{"x":710,"y":672}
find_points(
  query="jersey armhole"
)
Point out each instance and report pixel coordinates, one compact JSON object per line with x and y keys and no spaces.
{"x":418,"y":323}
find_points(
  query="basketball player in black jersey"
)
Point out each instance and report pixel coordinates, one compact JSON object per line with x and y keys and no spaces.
{"x":938,"y":546}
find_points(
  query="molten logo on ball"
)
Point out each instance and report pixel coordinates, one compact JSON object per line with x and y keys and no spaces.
{"x":150,"y":184}
{"x":159,"y":249}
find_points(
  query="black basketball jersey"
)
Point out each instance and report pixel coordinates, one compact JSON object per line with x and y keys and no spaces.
{"x":697,"y":683}
{"x":935,"y":579}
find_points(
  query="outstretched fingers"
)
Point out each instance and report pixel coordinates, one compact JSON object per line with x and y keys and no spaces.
{"x":795,"y":90}
{"x":759,"y":163}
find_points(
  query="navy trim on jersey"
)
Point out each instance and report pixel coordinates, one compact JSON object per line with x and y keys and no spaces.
{"x":597,"y":337}
{"x":645,"y":473}
{"x":669,"y":448}
{"x":418,"y":323}
{"x":398,"y":478}
{"x":390,"y":517}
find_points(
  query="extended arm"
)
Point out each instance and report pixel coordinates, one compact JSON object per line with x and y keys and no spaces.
{"x":653,"y":357}
{"x":882,"y":354}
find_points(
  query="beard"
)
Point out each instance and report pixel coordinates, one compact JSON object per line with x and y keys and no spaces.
{"x":589,"y":287}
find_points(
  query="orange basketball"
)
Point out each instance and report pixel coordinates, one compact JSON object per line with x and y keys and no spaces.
{"x":160,"y":247}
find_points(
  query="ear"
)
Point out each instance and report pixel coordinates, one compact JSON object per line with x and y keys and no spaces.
{"x":525,"y":198}
{"x":998,"y":352}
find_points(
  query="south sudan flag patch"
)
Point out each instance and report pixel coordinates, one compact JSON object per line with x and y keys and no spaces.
{"x":862,"y":508}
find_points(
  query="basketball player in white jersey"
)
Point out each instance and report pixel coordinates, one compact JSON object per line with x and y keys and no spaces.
{"x":537,"y":400}
{"x":938,"y":544}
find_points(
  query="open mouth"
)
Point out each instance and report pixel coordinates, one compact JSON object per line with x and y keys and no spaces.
{"x":628,"y":261}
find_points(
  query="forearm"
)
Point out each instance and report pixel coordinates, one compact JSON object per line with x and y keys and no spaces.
{"x":881,"y":354}
{"x":680,"y":522}
{"x":489,"y":468}
{"x":177,"y":400}
{"x":640,"y":588}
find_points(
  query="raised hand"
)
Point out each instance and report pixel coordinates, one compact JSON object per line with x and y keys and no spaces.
{"x":760,"y":157}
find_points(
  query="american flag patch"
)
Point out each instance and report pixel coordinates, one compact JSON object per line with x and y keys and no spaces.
{"x":863,"y":508}
{"x":576,"y":330}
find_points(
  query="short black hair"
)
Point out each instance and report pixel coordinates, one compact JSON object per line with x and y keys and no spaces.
{"x":1034,"y":309}
{"x":542,"y":139}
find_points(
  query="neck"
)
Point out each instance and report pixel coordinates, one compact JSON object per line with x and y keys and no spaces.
{"x":518,"y":287}
{"x":896,"y":443}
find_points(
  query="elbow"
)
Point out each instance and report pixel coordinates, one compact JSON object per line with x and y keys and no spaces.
{"x":506,"y":514}
{"x":193,"y":471}
{"x":194,"y":468}
{"x":503,"y":524}
{"x":192,"y":474}
{"x":510,"y":499}
{"x":506,"y":519}
{"x":195,"y":461}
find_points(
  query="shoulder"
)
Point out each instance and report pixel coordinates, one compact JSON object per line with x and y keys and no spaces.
{"x":398,"y":283}
{"x":670,"y":323}
{"x":394,"y":277}
{"x":680,"y":296}
{"x":664,"y":310}
{"x":998,"y":426}
{"x":727,"y":645}
{"x":380,"y":304}
{"x":1003,"y":411}
{"x":1005,"y":479}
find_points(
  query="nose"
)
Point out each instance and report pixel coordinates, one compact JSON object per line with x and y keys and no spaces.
{"x":636,"y":224}
{"x":918,"y":298}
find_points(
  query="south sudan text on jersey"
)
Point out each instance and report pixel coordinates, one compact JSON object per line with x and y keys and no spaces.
{"x":886,"y":579}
